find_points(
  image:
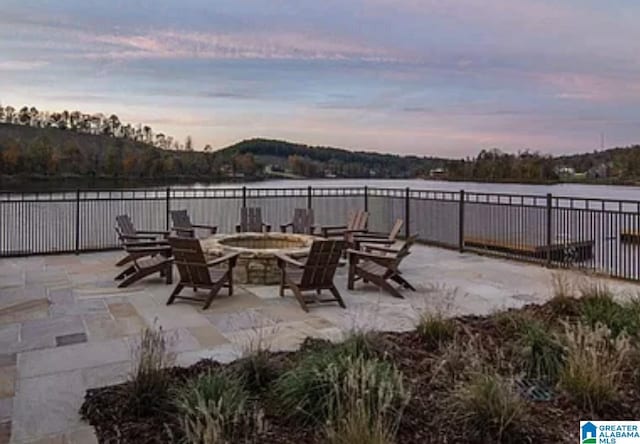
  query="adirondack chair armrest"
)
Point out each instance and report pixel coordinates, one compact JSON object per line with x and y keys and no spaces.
{"x":363,"y":231}
{"x":156,"y":232}
{"x":231,"y":258}
{"x":156,"y":249}
{"x":238,"y":228}
{"x":136,"y":236}
{"x":212,"y":228}
{"x":364,"y":241}
{"x":283,"y":260}
{"x":372,"y":234}
{"x":368,"y":247}
{"x":181,"y":230}
{"x":266,"y":227}
{"x":146,"y":243}
{"x":354,"y":255}
{"x":283,"y":227}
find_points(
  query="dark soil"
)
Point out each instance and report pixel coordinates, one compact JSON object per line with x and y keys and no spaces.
{"x":425,"y":419}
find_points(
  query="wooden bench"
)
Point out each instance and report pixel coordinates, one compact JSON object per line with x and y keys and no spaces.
{"x":630,"y":237}
{"x":567,"y":252}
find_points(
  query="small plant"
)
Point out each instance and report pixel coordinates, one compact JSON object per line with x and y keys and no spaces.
{"x":435,"y":330}
{"x":595,"y":362}
{"x":462,"y":355}
{"x":564,"y":302}
{"x":599,"y":306}
{"x":255,"y":367}
{"x":214,"y":409}
{"x":322,"y":382}
{"x":542,"y":353}
{"x":359,"y":343}
{"x":148,"y":388}
{"x":510,"y":322}
{"x":489,"y":408}
{"x":370,"y":398}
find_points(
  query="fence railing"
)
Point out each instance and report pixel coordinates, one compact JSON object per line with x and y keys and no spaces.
{"x":594,"y":234}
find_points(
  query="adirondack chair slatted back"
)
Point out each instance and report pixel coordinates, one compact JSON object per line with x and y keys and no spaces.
{"x":395,"y":230}
{"x":302,"y":220}
{"x":125,"y":225}
{"x":180,"y":219}
{"x":358,"y":220}
{"x":251,"y":219}
{"x":404,"y":250}
{"x":190,"y":261}
{"x":322,"y":263}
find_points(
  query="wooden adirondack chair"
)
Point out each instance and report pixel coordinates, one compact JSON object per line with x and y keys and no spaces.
{"x":251,"y":221}
{"x":183,"y":227}
{"x":128,"y":235}
{"x":357,"y":223}
{"x":128,"y":230}
{"x":302,"y":222}
{"x":198,"y":273}
{"x":314,"y":274}
{"x":147,"y":258}
{"x":380,"y":265}
{"x":369,"y":237}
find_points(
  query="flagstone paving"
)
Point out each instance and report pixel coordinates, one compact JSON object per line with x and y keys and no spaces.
{"x":65,"y":326}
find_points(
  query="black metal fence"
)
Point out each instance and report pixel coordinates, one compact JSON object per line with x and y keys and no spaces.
{"x":593,"y":234}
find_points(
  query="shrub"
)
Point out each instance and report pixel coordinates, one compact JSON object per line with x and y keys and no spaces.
{"x":323,"y":382}
{"x":147,"y":391}
{"x":435,"y":330}
{"x":594,"y":364}
{"x":542,"y":353}
{"x":462,"y":355}
{"x":370,"y":397}
{"x":489,"y":408}
{"x":563,"y":302}
{"x":359,"y":343}
{"x":510,"y":322}
{"x":256,"y":368}
{"x":214,"y":409}
{"x":599,"y":306}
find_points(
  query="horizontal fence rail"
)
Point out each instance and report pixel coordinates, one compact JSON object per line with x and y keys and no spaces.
{"x":599,"y":235}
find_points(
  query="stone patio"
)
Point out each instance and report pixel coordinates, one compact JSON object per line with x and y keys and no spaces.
{"x":65,"y":327}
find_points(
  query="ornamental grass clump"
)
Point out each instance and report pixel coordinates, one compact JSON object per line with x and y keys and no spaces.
{"x":541,"y":353}
{"x":488,"y":408}
{"x":215,"y":409}
{"x":595,"y":362}
{"x":326,"y":385}
{"x":599,"y":306}
{"x":147,"y":391}
{"x":435,"y":330}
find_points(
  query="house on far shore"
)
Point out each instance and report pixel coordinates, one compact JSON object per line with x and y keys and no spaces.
{"x":566,"y":172}
{"x":437,"y":173}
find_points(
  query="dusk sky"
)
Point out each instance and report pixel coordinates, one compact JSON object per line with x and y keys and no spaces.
{"x":427,"y":77}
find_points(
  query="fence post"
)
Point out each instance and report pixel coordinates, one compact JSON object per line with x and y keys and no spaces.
{"x":407,"y":216}
{"x":168,"y":208}
{"x":244,"y":197}
{"x":549,"y":226}
{"x":77,"y":221}
{"x":309,"y":193}
{"x":366,"y":198}
{"x":461,"y":223}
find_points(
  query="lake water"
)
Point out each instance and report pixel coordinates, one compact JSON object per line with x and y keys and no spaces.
{"x":566,"y":189}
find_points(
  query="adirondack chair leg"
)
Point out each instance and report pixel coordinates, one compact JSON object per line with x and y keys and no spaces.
{"x":168,"y":274}
{"x":382,"y":283}
{"x":298,"y":294}
{"x":338,"y":296}
{"x":282,"y":283}
{"x":213,"y":293}
{"x":176,"y":291}
{"x":351,"y":276}
{"x":124,"y":273}
{"x":402,"y":281}
{"x":230,"y":282}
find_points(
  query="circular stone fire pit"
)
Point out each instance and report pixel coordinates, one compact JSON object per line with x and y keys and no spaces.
{"x":257,"y":263}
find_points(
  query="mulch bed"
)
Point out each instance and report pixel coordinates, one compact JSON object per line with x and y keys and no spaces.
{"x":424,"y":421}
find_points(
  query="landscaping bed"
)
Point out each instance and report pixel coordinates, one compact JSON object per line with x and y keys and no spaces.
{"x":527,"y":375}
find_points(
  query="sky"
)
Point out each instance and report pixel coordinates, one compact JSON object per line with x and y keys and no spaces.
{"x":427,"y":77}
